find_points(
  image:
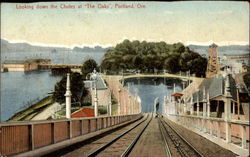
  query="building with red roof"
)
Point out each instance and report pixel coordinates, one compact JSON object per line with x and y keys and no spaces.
{"x":83,"y":112}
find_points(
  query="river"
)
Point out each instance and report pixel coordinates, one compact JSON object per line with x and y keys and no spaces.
{"x":19,"y":90}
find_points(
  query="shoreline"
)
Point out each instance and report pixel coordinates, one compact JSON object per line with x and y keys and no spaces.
{"x":32,"y":111}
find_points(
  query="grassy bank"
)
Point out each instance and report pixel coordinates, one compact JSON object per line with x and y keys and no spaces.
{"x":33,"y":110}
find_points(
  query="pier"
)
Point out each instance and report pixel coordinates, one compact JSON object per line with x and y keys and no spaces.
{"x":38,"y":64}
{"x":24,"y":65}
{"x":57,"y":66}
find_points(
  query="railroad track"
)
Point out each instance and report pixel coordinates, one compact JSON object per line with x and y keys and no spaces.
{"x":181,"y":146}
{"x":132,"y":134}
{"x":164,"y":137}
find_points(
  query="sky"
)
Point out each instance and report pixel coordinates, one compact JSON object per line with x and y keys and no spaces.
{"x":193,"y":22}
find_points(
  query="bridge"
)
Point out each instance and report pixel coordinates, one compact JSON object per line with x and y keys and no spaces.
{"x":166,"y":75}
{"x":60,"y":68}
{"x":55,"y":66}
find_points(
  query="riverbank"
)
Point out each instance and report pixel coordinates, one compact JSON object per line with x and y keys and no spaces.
{"x":33,"y":110}
{"x":48,"y":109}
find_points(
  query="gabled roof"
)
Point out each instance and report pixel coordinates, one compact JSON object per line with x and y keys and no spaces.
{"x":216,"y":87}
{"x":177,"y":94}
{"x":100,"y":84}
{"x":84,"y":112}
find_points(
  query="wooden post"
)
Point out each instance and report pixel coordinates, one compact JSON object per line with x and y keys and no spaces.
{"x":102,"y":123}
{"x":31,"y":129}
{"x":233,"y":108}
{"x":200,"y":124}
{"x":218,"y":130}
{"x":53,"y":132}
{"x":70,"y":129}
{"x":208,"y":105}
{"x":211,"y":127}
{"x":243,"y":137}
{"x":238,"y":102}
{"x":228,"y":132}
{"x":197,"y":123}
{"x":204,"y":125}
{"x":96,"y":124}
{"x":89,"y":126}
{"x":218,"y":109}
{"x":81,"y":127}
{"x":107,"y":122}
{"x":227,"y":109}
{"x":204,"y":107}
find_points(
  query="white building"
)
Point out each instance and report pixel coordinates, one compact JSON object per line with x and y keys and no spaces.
{"x":103,"y":93}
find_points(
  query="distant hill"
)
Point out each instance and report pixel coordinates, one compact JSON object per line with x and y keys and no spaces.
{"x":89,"y":49}
{"x":25,"y":47}
{"x":6,"y":46}
{"x":229,"y":50}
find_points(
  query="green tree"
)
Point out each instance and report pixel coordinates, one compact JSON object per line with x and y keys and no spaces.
{"x":77,"y":88}
{"x":147,"y":56}
{"x":137,"y":62}
{"x":198,"y":66}
{"x":88,"y":67}
{"x":172,"y":63}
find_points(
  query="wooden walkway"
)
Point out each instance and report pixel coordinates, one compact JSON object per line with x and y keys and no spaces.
{"x":161,"y":75}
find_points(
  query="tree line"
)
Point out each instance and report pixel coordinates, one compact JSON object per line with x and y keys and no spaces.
{"x":148,"y":56}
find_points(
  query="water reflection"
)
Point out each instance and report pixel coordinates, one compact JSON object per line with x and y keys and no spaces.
{"x":150,"y":88}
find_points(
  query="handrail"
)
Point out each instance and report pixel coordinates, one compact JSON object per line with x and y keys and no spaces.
{"x":12,"y":123}
{"x":239,"y":122}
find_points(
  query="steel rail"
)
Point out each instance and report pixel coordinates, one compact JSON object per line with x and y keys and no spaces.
{"x":132,"y":144}
{"x":100,"y":149}
{"x":180,"y":149}
{"x":176,"y":142}
{"x":166,"y":147}
{"x":180,"y":136}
